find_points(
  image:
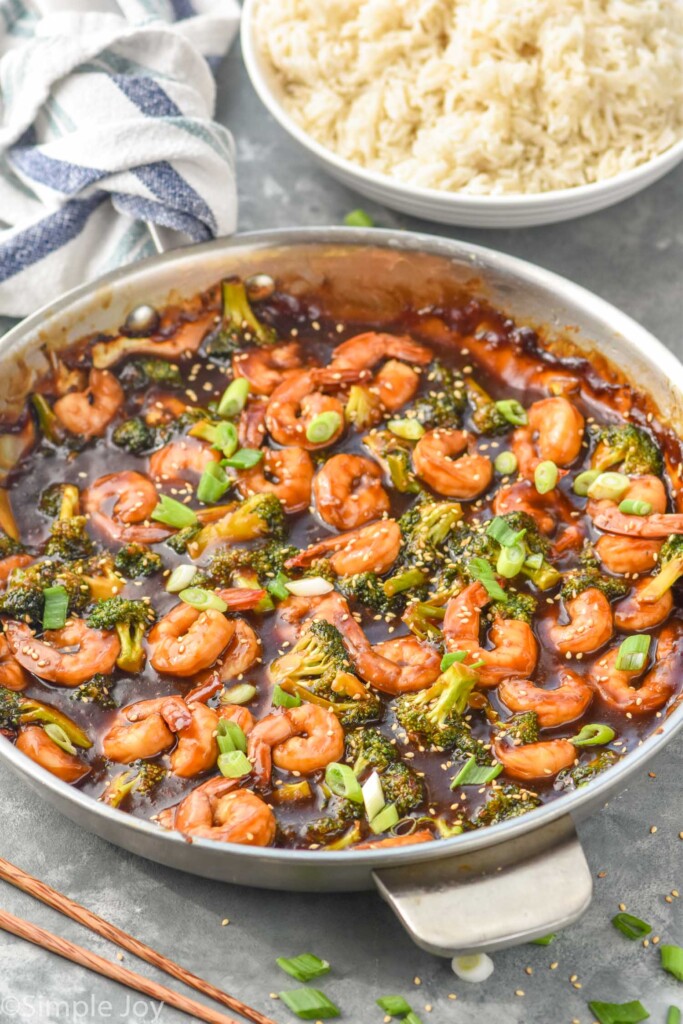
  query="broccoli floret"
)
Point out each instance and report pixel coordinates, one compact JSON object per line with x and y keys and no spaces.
{"x":60,"y":501}
{"x":319,"y":653}
{"x":363,"y":408}
{"x":486,"y":416}
{"x":434,"y":714}
{"x":260,"y":515}
{"x":444,"y":402}
{"x":69,"y":540}
{"x":340,"y":814}
{"x":394,"y":454}
{"x":135,"y":561}
{"x":322,"y":568}
{"x":536,"y":567}
{"x":424,"y":618}
{"x":517,"y":606}
{"x":95,"y":691}
{"x":16,"y":710}
{"x":134,"y":436}
{"x":578,"y":580}
{"x":24,"y":597}
{"x":522,"y":728}
{"x":425,"y":528}
{"x":50,"y":426}
{"x":369,"y":748}
{"x":9,"y":546}
{"x":403,"y":787}
{"x":629,"y":446}
{"x":503,"y":802}
{"x":239,"y":323}
{"x":580,"y":774}
{"x":264,"y":563}
{"x":141,"y":373}
{"x":587,"y":556}
{"x":367,"y":589}
{"x":129,"y":618}
{"x":140,"y":777}
{"x":668,"y":570}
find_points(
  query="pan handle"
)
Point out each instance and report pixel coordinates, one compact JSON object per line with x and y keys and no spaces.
{"x":503,"y":895}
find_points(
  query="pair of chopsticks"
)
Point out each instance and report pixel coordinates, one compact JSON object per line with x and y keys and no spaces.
{"x":78,"y":955}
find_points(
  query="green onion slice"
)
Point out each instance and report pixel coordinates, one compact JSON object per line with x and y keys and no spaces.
{"x":373,"y":795}
{"x":230,"y":736}
{"x":282,"y":699}
{"x":234,"y":398}
{"x":673,"y":1015}
{"x":245,"y":458}
{"x":304,"y":967}
{"x":213,"y":484}
{"x":359,"y":219}
{"x":342,"y":781}
{"x":240,"y":694}
{"x":612,"y":486}
{"x":180,"y":578}
{"x":534,"y":561}
{"x":512,"y":411}
{"x":225,"y":439}
{"x":482,"y":570}
{"x":546,"y":476}
{"x":412,"y":1018}
{"x":672,"y":960}
{"x":173,"y":513}
{"x":394,"y":1006}
{"x":631,"y":507}
{"x":472,"y":774}
{"x":501,"y":532}
{"x":309,"y":1004}
{"x":633,"y":653}
{"x":584,"y":480}
{"x":544,"y":940}
{"x":277,"y":586}
{"x":632,"y":927}
{"x":619,"y":1013}
{"x":511,"y":561}
{"x":56,"y":607}
{"x":593,"y":735}
{"x":234,"y":764}
{"x":385,"y":820}
{"x":323,"y":427}
{"x":58,"y":736}
{"x":203,"y":600}
{"x":505,"y":463}
{"x":451,"y":658}
{"x":408,"y":429}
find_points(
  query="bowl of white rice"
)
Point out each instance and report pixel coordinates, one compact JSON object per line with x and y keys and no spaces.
{"x":483,"y":113}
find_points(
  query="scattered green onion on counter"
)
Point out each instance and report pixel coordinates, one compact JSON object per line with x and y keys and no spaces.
{"x":632,"y":927}
{"x":619,"y":1013}
{"x":309,"y":1004}
{"x":304,"y":967}
{"x":359,"y":219}
{"x":672,"y":960}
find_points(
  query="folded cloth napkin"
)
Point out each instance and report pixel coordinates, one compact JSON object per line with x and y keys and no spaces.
{"x":105,"y":124}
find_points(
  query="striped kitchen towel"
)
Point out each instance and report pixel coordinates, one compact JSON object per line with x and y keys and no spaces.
{"x":106,"y":123}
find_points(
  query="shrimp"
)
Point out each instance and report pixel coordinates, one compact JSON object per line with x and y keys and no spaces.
{"x":304,"y":739}
{"x":12,"y":562}
{"x":632,"y":615}
{"x":67,"y":656}
{"x":90,"y":412}
{"x":547,"y":510}
{"x":41,"y":748}
{"x":565,"y":703}
{"x":535,"y":760}
{"x":218,"y":810}
{"x":265,"y":368}
{"x":12,"y":675}
{"x":159,"y":409}
{"x":625,"y":555}
{"x":181,"y":461}
{"x":348,"y":492}
{"x":590,"y":623}
{"x":197,"y":749}
{"x":423,"y":836}
{"x":145,"y":729}
{"x":239,"y":715}
{"x":658,"y":525}
{"x":287,"y":473}
{"x":243,"y":650}
{"x":412,"y":666}
{"x":372,"y":548}
{"x":616,"y":688}
{"x":395,"y":384}
{"x":364,"y":351}
{"x":134,"y":497}
{"x":444,"y":460}
{"x":186,"y":640}
{"x":296,"y":402}
{"x":554,"y":432}
{"x":515,"y":650}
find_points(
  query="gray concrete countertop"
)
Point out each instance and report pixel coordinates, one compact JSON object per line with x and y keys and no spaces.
{"x":631,"y":255}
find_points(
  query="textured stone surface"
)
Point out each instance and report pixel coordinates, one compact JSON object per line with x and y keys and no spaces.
{"x":631,"y":255}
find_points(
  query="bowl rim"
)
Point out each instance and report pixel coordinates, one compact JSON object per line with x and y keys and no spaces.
{"x":483,"y":259}
{"x":578,"y":195}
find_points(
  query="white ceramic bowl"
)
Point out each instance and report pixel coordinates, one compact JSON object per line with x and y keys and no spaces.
{"x":506,"y":211}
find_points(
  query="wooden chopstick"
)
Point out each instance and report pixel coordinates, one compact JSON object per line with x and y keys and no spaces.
{"x":58,"y":901}
{"x":70,"y":951}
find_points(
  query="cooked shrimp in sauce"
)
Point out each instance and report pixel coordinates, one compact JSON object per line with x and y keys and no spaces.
{"x":260,"y":550}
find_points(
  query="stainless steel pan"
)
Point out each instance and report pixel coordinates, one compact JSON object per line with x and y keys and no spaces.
{"x":483,"y":890}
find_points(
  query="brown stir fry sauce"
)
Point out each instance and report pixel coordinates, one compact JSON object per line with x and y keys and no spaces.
{"x":468,"y":624}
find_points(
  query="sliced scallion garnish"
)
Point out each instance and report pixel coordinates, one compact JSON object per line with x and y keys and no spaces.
{"x":56,"y":607}
{"x":373,"y":795}
{"x":240,"y":694}
{"x":505,"y":463}
{"x":482,"y":570}
{"x":633,"y":507}
{"x":234,"y":398}
{"x":323,"y":427}
{"x":472,"y":774}
{"x":672,"y":960}
{"x":633,"y":653}
{"x":544,"y":940}
{"x":632,"y":927}
{"x":225,"y":439}
{"x":245,"y":458}
{"x":234,"y":764}
{"x":451,"y":658}
{"x":203,"y":600}
{"x":593,"y":735}
{"x":304,"y":967}
{"x":501,"y":532}
{"x":511,"y":561}
{"x":342,"y":781}
{"x":359,"y":219}
{"x":546,"y":476}
{"x":282,"y":699}
{"x":277,"y":586}
{"x":230,"y":736}
{"x":213,"y":484}
{"x":609,"y":486}
{"x":619,"y":1013}
{"x":584,"y":480}
{"x":408,"y":429}
{"x":173,"y":513}
{"x":180,"y":578}
{"x":386,"y":819}
{"x":58,"y":736}
{"x":512,"y":411}
{"x":394,"y":1006}
{"x":673,"y":1015}
{"x":309,"y":1004}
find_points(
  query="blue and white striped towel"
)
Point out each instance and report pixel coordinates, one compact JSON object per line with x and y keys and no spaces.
{"x":105,"y":123}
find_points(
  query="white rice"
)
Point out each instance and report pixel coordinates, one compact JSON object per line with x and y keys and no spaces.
{"x":482,"y":96}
